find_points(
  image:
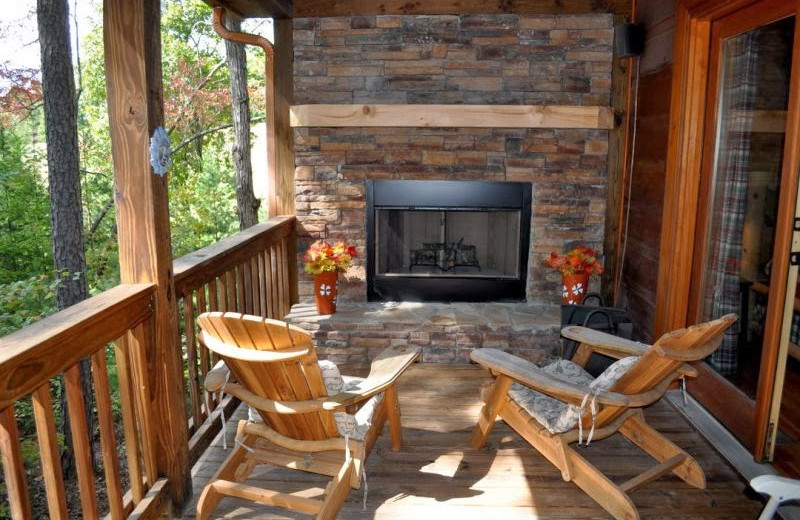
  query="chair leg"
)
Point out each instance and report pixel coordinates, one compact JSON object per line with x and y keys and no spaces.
{"x":489,"y":411}
{"x":358,"y":456}
{"x":393,"y":415}
{"x":662,"y":449}
{"x":210,"y":497}
{"x":600,"y":488}
{"x":336,"y":492}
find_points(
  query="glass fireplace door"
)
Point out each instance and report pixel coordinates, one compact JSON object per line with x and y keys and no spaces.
{"x":430,"y":240}
{"x":447,"y":243}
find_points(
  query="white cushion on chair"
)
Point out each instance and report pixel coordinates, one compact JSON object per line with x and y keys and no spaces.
{"x":356,"y":426}
{"x":558,"y":416}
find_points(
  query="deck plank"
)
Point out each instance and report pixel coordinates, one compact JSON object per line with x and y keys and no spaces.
{"x":437,"y":475}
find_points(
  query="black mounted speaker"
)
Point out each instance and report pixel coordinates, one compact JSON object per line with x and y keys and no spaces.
{"x":629,"y":39}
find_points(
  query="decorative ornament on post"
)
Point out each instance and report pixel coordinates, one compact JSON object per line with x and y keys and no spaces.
{"x":325,"y":262}
{"x":576,"y":266}
{"x":160,"y":151}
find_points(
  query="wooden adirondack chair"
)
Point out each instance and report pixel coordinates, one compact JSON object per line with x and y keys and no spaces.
{"x":272,"y":366}
{"x":551,"y":406}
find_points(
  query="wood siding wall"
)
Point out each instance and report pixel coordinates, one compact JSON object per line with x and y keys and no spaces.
{"x":642,"y":240}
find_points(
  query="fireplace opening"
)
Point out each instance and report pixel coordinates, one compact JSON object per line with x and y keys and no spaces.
{"x":447,"y":240}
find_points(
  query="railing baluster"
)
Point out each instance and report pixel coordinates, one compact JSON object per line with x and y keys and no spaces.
{"x":191,"y":359}
{"x":283,"y":292}
{"x":108,"y":443}
{"x":262,"y":283}
{"x":138,"y":339}
{"x":230,"y":286}
{"x":213,"y":301}
{"x":205,"y":364}
{"x":81,"y":441}
{"x":245,"y":299}
{"x":49,"y":451}
{"x":253,"y":276}
{"x":13,"y":466}
{"x":271,"y":292}
{"x":126,"y":392}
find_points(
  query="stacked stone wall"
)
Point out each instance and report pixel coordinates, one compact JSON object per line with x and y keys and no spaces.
{"x":497,"y":59}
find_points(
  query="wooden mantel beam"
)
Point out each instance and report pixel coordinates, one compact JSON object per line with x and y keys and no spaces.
{"x":466,"y":116}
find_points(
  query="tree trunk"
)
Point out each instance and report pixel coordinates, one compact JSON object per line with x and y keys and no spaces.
{"x":63,"y":164}
{"x":246,"y":202}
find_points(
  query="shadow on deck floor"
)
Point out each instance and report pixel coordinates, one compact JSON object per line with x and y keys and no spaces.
{"x":438,"y":476}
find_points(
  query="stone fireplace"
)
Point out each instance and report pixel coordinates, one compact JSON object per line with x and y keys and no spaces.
{"x":554,"y":60}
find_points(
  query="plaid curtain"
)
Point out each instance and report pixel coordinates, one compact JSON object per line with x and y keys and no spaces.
{"x":723,"y":294}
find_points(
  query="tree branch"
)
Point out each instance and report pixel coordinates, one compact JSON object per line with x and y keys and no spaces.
{"x":207,"y":131}
{"x":110,"y":202}
{"x":100,"y":216}
{"x":199,"y":87}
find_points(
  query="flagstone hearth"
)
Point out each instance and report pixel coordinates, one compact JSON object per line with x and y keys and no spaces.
{"x":447,"y":332}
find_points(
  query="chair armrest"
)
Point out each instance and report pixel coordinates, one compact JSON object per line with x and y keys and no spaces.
{"x":386,"y":368}
{"x":613,"y":346}
{"x":532,"y":376}
{"x":604,"y":343}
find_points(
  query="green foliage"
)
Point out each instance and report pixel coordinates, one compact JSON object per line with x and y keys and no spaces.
{"x":201,"y":178}
{"x":24,"y":212}
{"x":202,"y":206}
{"x":27,"y":301}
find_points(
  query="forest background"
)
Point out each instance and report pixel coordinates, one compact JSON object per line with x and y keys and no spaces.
{"x":197,"y":117}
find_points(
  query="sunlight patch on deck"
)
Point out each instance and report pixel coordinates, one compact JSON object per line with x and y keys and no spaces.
{"x":445,"y":465}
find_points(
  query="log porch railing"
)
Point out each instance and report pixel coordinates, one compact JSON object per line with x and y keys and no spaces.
{"x":253,"y":271}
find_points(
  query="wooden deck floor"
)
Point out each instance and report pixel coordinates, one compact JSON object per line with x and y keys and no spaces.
{"x":438,"y":476}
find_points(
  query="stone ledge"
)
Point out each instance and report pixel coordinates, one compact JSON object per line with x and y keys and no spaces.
{"x":447,"y":332}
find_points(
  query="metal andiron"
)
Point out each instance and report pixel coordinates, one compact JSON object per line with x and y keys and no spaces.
{"x":445,"y":256}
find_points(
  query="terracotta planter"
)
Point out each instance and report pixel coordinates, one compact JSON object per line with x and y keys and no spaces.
{"x":573,"y":288}
{"x":325,"y":292}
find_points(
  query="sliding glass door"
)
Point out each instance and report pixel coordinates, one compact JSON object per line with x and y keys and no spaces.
{"x":746,"y":215}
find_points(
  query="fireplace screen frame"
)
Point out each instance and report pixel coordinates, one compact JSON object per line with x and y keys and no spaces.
{"x":447,"y":196}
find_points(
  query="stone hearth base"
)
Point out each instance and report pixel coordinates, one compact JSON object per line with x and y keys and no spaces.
{"x":446,"y":332}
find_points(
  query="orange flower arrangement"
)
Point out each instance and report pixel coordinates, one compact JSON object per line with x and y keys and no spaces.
{"x":322,"y":257}
{"x":580,"y":260}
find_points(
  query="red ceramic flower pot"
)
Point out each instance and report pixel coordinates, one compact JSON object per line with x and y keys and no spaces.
{"x":325,"y":292}
{"x":573,"y":288}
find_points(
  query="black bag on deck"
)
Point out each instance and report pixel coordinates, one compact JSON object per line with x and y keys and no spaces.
{"x":593,"y":314}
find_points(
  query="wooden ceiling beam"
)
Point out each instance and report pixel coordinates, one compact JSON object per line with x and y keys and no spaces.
{"x":256,"y":8}
{"x":326,"y":8}
{"x":332,"y":8}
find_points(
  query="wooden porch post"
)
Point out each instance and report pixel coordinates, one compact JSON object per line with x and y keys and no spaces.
{"x":135,"y":106}
{"x":283,"y":177}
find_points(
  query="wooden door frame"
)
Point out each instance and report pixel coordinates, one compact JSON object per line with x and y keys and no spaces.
{"x":682,"y":204}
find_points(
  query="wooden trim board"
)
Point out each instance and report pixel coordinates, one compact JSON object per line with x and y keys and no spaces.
{"x":474,"y":116}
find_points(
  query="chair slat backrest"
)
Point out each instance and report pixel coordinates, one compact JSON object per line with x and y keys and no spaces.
{"x":663,"y":361}
{"x":295,"y":378}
